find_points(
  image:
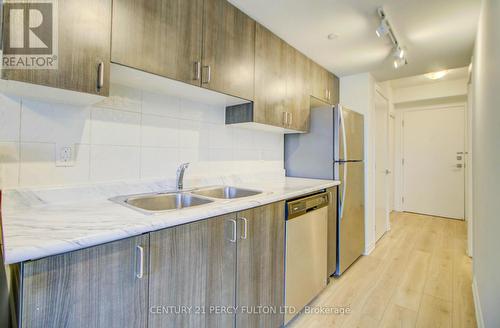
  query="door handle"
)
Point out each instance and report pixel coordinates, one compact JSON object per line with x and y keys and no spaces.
{"x":387,"y":172}
{"x":209,"y":74}
{"x":459,"y":166}
{"x":233,"y":240}
{"x":245,"y":228}
{"x":100,"y":76}
{"x":197,"y":71}
{"x":140,"y":262}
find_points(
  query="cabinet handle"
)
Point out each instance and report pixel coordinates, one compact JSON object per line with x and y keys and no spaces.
{"x":329,"y":95}
{"x":245,"y":228}
{"x":285,"y":118}
{"x":100,"y":76}
{"x":209,"y":74}
{"x":140,"y":262}
{"x":291,"y":119}
{"x":233,"y":240}
{"x":197,"y":71}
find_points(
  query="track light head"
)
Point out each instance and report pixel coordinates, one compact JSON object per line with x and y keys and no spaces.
{"x":400,"y":52}
{"x":400,"y":62}
{"x":383,"y":29}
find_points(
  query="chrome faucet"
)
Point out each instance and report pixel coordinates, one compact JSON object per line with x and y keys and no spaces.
{"x":180,"y":175}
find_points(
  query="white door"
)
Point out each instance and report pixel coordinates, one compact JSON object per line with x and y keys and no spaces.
{"x":391,"y":161}
{"x":433,"y":162}
{"x":381,"y":169}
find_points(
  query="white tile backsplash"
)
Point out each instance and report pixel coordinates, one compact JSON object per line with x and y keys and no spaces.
{"x":111,"y":163}
{"x":9,"y":164}
{"x":54,"y":123}
{"x":37,"y":166}
{"x":131,"y":135}
{"x":159,"y":162}
{"x":160,"y":131}
{"x":115,"y":127}
{"x":10,"y":117}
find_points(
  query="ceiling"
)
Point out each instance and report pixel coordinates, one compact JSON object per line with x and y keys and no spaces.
{"x":438,"y":34}
{"x":461,"y":73}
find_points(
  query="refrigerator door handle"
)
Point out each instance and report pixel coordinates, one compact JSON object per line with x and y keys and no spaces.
{"x":344,"y":185}
{"x":344,"y":140}
{"x":344,"y":143}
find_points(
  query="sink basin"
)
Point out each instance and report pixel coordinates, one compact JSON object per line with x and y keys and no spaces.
{"x":162,"y":202}
{"x":225,"y":192}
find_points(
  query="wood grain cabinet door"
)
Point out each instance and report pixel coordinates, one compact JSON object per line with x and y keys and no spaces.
{"x":335,"y":92}
{"x":162,"y":37}
{"x":270,"y":78}
{"x":84,"y":32}
{"x":261,"y":261}
{"x":298,"y":90}
{"x":228,"y":49}
{"x":96,"y":287}
{"x":193,"y":269}
{"x":318,"y":82}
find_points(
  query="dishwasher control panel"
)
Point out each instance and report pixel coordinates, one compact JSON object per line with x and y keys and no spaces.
{"x":301,"y":206}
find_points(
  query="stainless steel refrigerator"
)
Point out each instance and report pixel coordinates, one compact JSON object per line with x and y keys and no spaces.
{"x":334,"y":150}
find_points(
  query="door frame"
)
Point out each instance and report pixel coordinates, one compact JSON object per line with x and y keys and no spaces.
{"x":399,"y":167}
{"x":387,"y":210}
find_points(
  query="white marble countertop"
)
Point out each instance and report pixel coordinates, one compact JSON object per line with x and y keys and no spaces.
{"x":41,"y":222}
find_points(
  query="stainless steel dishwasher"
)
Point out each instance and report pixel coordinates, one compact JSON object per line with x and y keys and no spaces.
{"x":306,"y":270}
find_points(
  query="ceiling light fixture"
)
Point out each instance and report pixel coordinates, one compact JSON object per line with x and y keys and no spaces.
{"x":385,"y":29}
{"x":436,"y":75}
{"x":332,"y":36}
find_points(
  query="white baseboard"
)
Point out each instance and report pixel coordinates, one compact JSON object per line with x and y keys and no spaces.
{"x":477,"y":304}
{"x":369,"y":249}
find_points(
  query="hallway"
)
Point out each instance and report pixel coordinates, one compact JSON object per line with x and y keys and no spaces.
{"x":418,"y":276}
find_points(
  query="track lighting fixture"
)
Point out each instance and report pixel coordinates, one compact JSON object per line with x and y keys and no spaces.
{"x":385,"y":29}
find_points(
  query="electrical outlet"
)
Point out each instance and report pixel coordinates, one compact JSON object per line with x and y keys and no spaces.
{"x":65,"y":155}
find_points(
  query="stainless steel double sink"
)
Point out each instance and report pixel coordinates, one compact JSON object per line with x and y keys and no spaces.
{"x":161,"y":202}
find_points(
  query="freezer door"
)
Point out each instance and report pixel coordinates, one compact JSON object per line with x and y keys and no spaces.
{"x":351,"y":218}
{"x":350,"y":136}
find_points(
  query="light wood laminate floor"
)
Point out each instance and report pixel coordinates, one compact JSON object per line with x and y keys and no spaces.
{"x":418,"y":276}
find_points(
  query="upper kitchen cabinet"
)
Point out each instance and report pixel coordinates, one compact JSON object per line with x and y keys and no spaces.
{"x":323,"y":83}
{"x":162,"y":37}
{"x":335,"y":94}
{"x":298,"y":90}
{"x":282,"y":87}
{"x":270,"y":78}
{"x":228,"y":50}
{"x":80,"y":48}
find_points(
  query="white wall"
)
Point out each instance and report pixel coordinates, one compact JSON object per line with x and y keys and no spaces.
{"x":131,"y":135}
{"x":486,"y":170}
{"x":357,"y":93}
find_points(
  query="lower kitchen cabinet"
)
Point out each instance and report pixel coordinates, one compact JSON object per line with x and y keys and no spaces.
{"x":193,"y":268}
{"x":103,"y":286}
{"x":260,"y":277}
{"x":218,"y":272}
